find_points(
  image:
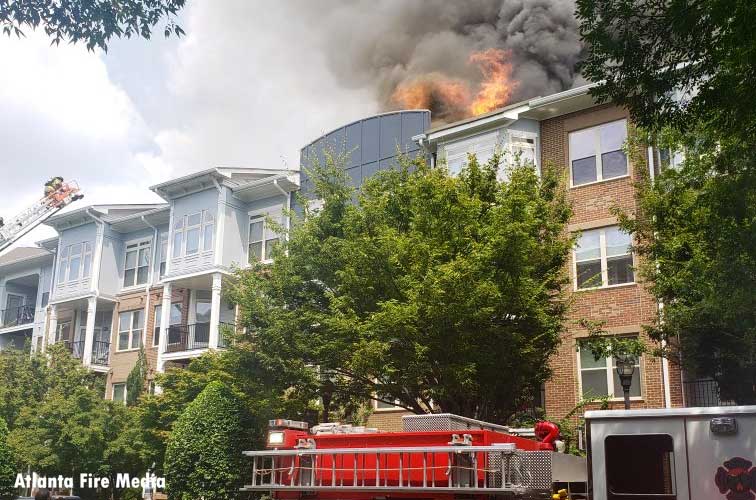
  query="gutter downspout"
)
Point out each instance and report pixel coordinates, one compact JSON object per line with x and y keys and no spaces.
{"x":149,"y":282}
{"x":660,"y":306}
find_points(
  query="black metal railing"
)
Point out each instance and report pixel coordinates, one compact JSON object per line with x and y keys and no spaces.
{"x":76,"y":348}
{"x":704,"y":392}
{"x":17,"y":316}
{"x":193,"y":337}
{"x":100,"y":351}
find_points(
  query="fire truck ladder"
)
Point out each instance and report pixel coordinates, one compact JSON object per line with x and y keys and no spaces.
{"x":499,"y":469}
{"x":37,"y":213}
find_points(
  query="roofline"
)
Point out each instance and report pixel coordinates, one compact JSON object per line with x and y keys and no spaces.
{"x":216,"y":172}
{"x":538,"y":102}
{"x":162,"y":208}
{"x":155,"y":188}
{"x":491,"y":116}
{"x":386,"y":113}
{"x":47,"y":255}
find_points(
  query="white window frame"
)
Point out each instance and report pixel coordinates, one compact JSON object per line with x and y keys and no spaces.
{"x":597,"y":151}
{"x":262,"y":217}
{"x":515,"y":142}
{"x":112,"y":392}
{"x":139,"y":246}
{"x":134,"y":333}
{"x":604,"y":266}
{"x":377,"y":409}
{"x":609,"y":368}
{"x":163,"y":257}
{"x":85,"y":262}
{"x":206,"y":220}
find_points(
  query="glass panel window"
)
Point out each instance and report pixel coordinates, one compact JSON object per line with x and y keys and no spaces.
{"x":137,"y":264}
{"x":648,"y":456}
{"x":130,"y":325}
{"x":174,"y":319}
{"x":202,"y":311}
{"x":178,"y":239}
{"x":483,"y":146}
{"x":193,"y":224}
{"x":87,"y":267}
{"x":598,"y":377}
{"x":74,"y":262}
{"x":263,"y":238}
{"x":603,"y":257}
{"x":596,"y":153}
{"x":208,"y":228}
{"x":119,"y":393}
{"x":163,"y":253}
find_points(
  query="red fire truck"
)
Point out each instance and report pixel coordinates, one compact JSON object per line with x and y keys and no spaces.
{"x":690,"y":453}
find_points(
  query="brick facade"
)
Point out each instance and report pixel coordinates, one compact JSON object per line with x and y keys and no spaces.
{"x":623,"y":308}
{"x":121,"y":363}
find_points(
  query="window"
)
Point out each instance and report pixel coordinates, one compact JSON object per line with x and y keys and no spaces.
{"x":598,"y":377}
{"x":383,"y":405}
{"x":175,"y":319}
{"x":137,"y":264}
{"x":603,"y":257}
{"x":633,"y":456}
{"x":75,"y":262}
{"x":596,"y":153}
{"x":119,"y":393}
{"x":163,"y":253}
{"x":523,"y":145}
{"x":483,"y":146}
{"x":45,"y":299}
{"x":669,"y":158}
{"x":208,"y":228}
{"x":64,"y":331}
{"x":130,"y":326}
{"x":192,"y":233}
{"x":262,"y":238}
{"x":178,"y":236}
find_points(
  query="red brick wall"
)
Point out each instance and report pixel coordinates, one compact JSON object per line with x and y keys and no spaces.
{"x":624,"y":309}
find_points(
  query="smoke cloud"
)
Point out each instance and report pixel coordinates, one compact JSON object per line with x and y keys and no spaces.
{"x":425,"y":50}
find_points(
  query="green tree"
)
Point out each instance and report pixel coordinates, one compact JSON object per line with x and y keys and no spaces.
{"x":648,"y":54}
{"x":696,"y":225}
{"x":203,"y":458}
{"x":94,"y":22}
{"x":433,"y":291}
{"x":137,"y":379}
{"x":7,"y":465}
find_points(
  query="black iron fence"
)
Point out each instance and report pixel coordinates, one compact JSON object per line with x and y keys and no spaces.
{"x":704,"y":392}
{"x":100,"y":351}
{"x":17,"y":316}
{"x":193,"y":337}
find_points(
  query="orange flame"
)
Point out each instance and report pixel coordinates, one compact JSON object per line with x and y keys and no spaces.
{"x":497,"y":86}
{"x":452,"y":99}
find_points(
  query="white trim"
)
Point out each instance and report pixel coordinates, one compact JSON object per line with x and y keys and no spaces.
{"x":139,"y":245}
{"x":131,"y":330}
{"x":112,"y":391}
{"x":603,"y":261}
{"x":596,"y":131}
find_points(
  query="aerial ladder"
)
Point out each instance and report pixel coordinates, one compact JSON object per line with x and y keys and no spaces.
{"x":58,"y":195}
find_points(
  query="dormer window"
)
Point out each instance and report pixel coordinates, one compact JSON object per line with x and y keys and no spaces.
{"x":75,"y":262}
{"x":192,"y":233}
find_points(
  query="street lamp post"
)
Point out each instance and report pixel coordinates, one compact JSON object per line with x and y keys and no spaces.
{"x":625,"y":369}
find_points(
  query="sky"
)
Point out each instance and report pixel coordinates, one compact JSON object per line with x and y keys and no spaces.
{"x":247,"y":86}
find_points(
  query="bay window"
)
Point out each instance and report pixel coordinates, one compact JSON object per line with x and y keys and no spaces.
{"x":603,"y":257}
{"x":596,"y":153}
{"x":193,"y":233}
{"x":208,"y":229}
{"x":163,"y":253}
{"x":75,"y":262}
{"x":178,"y":237}
{"x":193,"y":224}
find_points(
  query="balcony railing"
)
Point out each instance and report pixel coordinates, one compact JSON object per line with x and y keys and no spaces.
{"x":703,"y":392}
{"x":192,"y":337}
{"x":100,"y":351}
{"x":17,"y":316}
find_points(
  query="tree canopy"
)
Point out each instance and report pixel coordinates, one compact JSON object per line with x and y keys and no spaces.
{"x":203,"y":458}
{"x":94,"y":22}
{"x":432,"y":292}
{"x":682,"y":63}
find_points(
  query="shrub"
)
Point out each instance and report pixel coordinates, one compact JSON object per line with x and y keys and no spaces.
{"x":203,"y":455}
{"x":7,"y":468}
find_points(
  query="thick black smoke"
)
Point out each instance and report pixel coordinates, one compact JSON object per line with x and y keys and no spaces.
{"x":386,"y":43}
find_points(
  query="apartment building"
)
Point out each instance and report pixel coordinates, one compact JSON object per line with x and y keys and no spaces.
{"x":121,"y":278}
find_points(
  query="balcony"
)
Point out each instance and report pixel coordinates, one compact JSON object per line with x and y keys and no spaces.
{"x":192,"y":337}
{"x":16,"y":316}
{"x":100,"y":351}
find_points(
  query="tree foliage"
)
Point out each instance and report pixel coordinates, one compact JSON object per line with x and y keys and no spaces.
{"x":203,"y":457}
{"x":433,"y":291}
{"x":697,"y":229}
{"x":649,"y":53}
{"x":137,"y":379}
{"x":7,"y":464}
{"x":94,"y":22}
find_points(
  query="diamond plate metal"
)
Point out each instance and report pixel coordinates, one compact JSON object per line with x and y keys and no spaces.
{"x":446,"y":422}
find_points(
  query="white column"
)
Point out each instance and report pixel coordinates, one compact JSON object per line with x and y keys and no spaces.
{"x":52,"y":327}
{"x":215,"y":310}
{"x":165,"y":318}
{"x":89,"y":331}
